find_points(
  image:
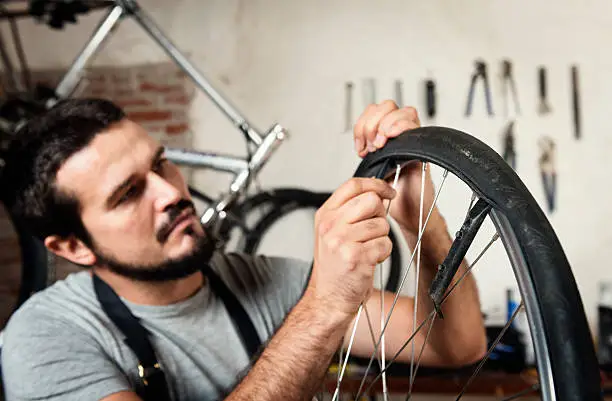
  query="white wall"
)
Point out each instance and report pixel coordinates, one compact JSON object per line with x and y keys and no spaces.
{"x":287,"y":61}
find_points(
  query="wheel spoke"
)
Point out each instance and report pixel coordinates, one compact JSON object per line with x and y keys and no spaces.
{"x":471,"y":204}
{"x":419,"y":239}
{"x":486,"y":248}
{"x":533,"y":388}
{"x":365,"y":309}
{"x":348,"y":352}
{"x":382,"y":301}
{"x":341,"y":358}
{"x":397,"y":354}
{"x":388,"y":317}
{"x":418,"y":266}
{"x":418,"y":363}
{"x":431,"y":316}
{"x":491,"y":348}
{"x":456,"y":254}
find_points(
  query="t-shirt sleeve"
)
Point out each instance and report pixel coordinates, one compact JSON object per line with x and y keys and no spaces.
{"x":288,"y":277}
{"x":45,"y":358}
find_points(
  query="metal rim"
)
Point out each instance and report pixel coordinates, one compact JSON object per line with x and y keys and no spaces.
{"x":532,"y":307}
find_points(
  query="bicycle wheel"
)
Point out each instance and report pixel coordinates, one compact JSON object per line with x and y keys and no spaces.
{"x":565,"y":357}
{"x":279,"y":205}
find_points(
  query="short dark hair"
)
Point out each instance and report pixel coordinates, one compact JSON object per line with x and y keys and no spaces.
{"x":40,"y":147}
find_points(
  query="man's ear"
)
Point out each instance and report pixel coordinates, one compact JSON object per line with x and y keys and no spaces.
{"x":71,"y":248}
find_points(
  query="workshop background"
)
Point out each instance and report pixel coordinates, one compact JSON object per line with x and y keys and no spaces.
{"x":289,"y":62}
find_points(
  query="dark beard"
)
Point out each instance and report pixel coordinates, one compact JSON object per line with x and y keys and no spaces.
{"x":170,"y":270}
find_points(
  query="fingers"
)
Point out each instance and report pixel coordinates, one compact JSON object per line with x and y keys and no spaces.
{"x":358,"y":130}
{"x":367,"y":125}
{"x":398,"y":121}
{"x":362,"y":207}
{"x":380,"y":122}
{"x":369,"y":253}
{"x":376,"y":251}
{"x":356,"y":186}
{"x":367,"y":230}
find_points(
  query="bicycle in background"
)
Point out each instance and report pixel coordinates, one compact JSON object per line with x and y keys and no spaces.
{"x":233,"y":214}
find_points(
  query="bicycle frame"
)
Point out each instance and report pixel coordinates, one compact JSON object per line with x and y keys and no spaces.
{"x":243,"y":169}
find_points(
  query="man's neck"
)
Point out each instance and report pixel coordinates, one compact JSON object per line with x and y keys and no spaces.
{"x":151,"y":293}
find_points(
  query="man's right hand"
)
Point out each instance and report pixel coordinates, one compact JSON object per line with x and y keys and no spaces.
{"x":351,"y":239}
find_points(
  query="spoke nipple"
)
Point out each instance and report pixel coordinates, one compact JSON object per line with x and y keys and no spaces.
{"x":438,"y":310}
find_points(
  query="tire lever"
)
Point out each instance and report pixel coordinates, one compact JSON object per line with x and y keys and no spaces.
{"x":461,"y":244}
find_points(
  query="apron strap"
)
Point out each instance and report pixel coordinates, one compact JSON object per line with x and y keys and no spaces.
{"x":155,"y":386}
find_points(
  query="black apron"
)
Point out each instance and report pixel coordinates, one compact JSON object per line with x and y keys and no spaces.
{"x":153,"y":380}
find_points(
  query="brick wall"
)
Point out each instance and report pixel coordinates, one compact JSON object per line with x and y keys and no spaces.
{"x":157,"y":96}
{"x":10,"y":261}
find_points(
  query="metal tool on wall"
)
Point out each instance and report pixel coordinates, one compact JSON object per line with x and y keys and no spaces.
{"x":348,"y":106}
{"x":480,"y":71}
{"x":544,"y":106}
{"x":509,"y":153}
{"x":548,"y":170}
{"x":509,"y":83}
{"x":576,"y":102}
{"x":398,"y":92}
{"x":430,"y":96}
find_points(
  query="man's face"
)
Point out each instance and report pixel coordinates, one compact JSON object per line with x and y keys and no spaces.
{"x":134,"y":203}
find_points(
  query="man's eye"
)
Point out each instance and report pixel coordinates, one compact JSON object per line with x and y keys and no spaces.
{"x":129,"y":194}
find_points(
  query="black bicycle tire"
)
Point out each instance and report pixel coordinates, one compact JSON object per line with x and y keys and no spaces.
{"x":570,"y":347}
{"x":283,"y":195}
{"x":288,"y":200}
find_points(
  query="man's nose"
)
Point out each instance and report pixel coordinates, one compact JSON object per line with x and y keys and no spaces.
{"x":165,"y":194}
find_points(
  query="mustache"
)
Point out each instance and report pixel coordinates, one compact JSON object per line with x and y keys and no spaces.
{"x":174,"y":212}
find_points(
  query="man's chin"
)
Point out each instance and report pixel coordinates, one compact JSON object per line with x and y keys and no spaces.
{"x":184,"y":264}
{"x":185,"y":245}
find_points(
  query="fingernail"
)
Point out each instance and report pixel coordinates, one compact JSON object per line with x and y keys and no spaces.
{"x":371,"y":148}
{"x":379,"y":141}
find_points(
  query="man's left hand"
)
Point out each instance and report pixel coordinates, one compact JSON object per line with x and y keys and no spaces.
{"x":374,"y":127}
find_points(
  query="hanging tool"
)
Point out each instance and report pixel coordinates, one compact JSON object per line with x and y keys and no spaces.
{"x":369,"y":92}
{"x":398,"y":93}
{"x":430,"y":94}
{"x":480,"y":71}
{"x":576,"y":102}
{"x":348,"y":104}
{"x":509,"y":149}
{"x":508,"y":80}
{"x":544,"y":107}
{"x":548,"y":170}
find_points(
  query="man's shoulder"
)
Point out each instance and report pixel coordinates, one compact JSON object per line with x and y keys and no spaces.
{"x":259,"y":269}
{"x":58,"y":305}
{"x":267,"y":283}
{"x":58,"y":337}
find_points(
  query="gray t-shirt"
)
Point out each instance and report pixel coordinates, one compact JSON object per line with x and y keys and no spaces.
{"x":60,"y":345}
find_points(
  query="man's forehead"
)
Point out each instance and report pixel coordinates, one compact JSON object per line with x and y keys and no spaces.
{"x":94,"y":171}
